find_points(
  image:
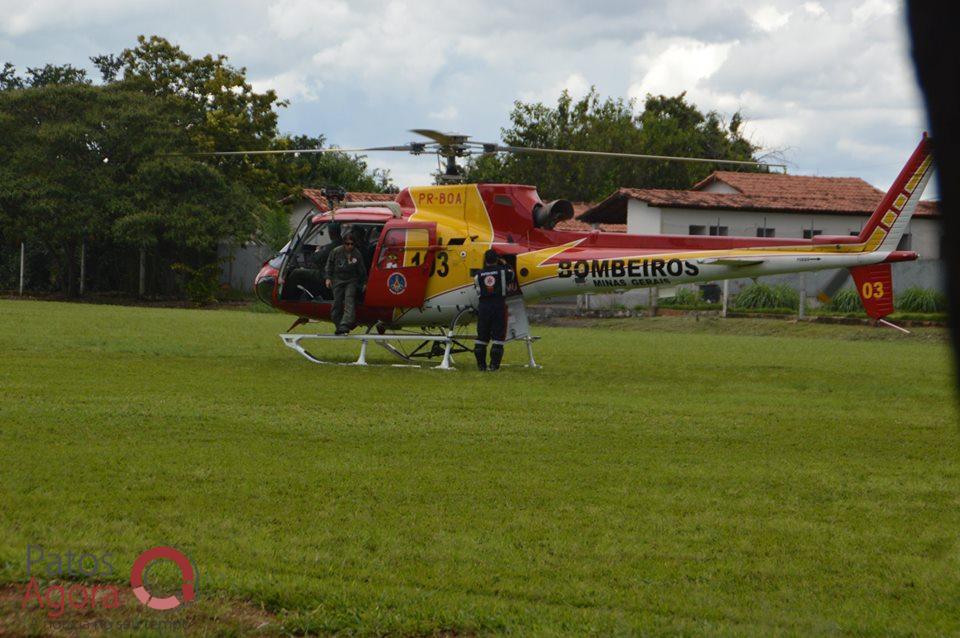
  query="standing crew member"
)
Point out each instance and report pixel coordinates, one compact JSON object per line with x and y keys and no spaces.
{"x":346,"y":273}
{"x":492,"y":283}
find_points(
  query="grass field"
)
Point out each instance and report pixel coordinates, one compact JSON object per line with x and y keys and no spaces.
{"x":737,"y":477}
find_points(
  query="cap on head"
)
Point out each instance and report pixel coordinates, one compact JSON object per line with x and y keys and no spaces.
{"x":491,"y":257}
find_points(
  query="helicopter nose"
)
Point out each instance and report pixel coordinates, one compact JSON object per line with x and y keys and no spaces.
{"x":264,"y":284}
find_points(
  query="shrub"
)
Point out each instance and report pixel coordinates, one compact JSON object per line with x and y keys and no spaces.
{"x":847,"y":300}
{"x":201,"y":283}
{"x":684,"y":297}
{"x":759,"y":296}
{"x":923,"y":300}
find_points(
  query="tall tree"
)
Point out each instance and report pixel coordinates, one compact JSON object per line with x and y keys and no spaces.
{"x":350,"y":172}
{"x":665,"y":126}
{"x":92,"y":163}
{"x":111,"y":163}
{"x":227,"y":114}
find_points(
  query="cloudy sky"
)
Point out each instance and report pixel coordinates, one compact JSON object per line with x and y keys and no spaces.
{"x":827,"y":83}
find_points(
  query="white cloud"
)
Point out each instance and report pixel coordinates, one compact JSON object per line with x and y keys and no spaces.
{"x":575,"y":84}
{"x":829,"y":80}
{"x":814,"y":8}
{"x":289,"y":19}
{"x":446,"y":113}
{"x":290,"y":85}
{"x":873,"y":9}
{"x":22,"y":18}
{"x":769,"y":18}
{"x":679,"y":67}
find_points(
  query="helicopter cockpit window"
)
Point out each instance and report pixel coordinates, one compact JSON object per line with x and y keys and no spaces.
{"x":403,"y":247}
{"x":305,"y":277}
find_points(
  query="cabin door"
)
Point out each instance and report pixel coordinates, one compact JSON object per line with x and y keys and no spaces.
{"x":401,"y":267}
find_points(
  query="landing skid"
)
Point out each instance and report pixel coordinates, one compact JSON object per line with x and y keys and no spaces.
{"x":438,"y":342}
{"x":446,"y":345}
{"x":442,"y":343}
{"x":293,"y":341}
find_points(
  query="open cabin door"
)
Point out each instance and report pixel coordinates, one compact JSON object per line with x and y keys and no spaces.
{"x":401,"y":268}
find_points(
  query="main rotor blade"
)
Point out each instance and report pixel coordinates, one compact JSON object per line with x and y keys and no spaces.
{"x":446,"y":139}
{"x":407,"y":147}
{"x":497,"y":148}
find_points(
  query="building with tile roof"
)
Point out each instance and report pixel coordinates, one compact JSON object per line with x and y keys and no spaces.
{"x":761,"y":205}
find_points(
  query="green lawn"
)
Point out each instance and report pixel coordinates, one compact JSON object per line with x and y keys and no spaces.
{"x":737,"y":477}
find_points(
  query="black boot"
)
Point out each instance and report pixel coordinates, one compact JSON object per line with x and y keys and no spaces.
{"x":496,"y":354}
{"x":480,"y":352}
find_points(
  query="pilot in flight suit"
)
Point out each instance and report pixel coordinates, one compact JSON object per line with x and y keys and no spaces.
{"x":346,"y":274}
{"x":492,"y":283}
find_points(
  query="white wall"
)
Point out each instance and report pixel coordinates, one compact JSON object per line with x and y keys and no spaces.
{"x":642,"y":219}
{"x":925,"y":237}
{"x":719,"y":187}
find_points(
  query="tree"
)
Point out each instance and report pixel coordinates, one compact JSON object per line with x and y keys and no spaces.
{"x":326,"y":169}
{"x":93,"y":163}
{"x":665,"y":126}
{"x":115,"y":164}
{"x":51,"y":74}
{"x":226,"y":114}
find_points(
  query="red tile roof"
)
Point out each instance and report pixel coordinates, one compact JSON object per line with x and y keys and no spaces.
{"x":575,"y":225}
{"x":759,"y":192}
{"x":320,"y":202}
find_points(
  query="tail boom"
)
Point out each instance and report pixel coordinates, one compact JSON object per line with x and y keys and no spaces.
{"x":888,"y":222}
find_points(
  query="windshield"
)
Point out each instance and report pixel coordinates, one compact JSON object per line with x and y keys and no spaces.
{"x":314,"y":242}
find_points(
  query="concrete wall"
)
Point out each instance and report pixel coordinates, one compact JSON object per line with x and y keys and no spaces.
{"x":240,"y":264}
{"x":643,"y":219}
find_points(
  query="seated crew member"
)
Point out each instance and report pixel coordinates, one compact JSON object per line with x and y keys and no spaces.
{"x":323,"y":252}
{"x":346,"y":274}
{"x":492,"y":284}
{"x":307,"y":281}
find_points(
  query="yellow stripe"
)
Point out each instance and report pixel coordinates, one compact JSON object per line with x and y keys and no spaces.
{"x":889,"y":218}
{"x":912,"y":184}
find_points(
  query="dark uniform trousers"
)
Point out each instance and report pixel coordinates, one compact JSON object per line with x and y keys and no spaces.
{"x":492,"y":283}
{"x":346,"y":272}
{"x":491,"y":327}
{"x":344,"y":311}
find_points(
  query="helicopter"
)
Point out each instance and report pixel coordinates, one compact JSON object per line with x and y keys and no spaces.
{"x":424,"y":248}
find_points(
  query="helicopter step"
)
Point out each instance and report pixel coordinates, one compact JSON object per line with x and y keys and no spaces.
{"x":429,"y":345}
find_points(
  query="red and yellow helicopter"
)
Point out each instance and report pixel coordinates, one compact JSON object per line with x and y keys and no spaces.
{"x":424,"y":247}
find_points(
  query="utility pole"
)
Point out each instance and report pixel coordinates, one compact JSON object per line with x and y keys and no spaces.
{"x":83,"y":265}
{"x":726,"y":292}
{"x":23,"y":264}
{"x":803,"y":295}
{"x":143,"y":271}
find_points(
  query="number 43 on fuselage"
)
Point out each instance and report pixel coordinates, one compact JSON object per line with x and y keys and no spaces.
{"x":423,"y":249}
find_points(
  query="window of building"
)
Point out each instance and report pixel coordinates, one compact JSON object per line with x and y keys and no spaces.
{"x":905,"y":242}
{"x":810,"y":233}
{"x":698,"y":230}
{"x":719,"y":231}
{"x":854,"y":233}
{"x":766,"y":232}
